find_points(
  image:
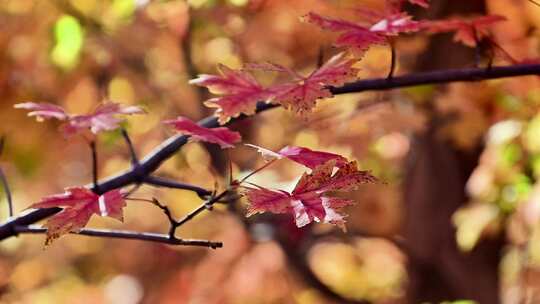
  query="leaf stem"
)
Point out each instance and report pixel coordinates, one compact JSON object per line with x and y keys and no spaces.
{"x":94,"y":166}
{"x":7,"y":190}
{"x":393,"y":59}
{"x":4,"y":181}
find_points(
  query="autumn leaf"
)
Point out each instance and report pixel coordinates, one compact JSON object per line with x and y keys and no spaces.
{"x":43,"y":110}
{"x":301,"y":94}
{"x":79,"y":204}
{"x":240,"y":92}
{"x":469,"y":31}
{"x":301,"y":155}
{"x":395,"y":24}
{"x":266,"y":200}
{"x":422,"y":3}
{"x":102,"y":119}
{"x":222,"y":136}
{"x":358,"y":38}
{"x":308,"y":202}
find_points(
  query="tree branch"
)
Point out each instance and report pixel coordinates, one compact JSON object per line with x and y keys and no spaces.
{"x":130,"y":235}
{"x":171,"y":145}
{"x":163,"y":182}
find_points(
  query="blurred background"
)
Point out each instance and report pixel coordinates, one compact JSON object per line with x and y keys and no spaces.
{"x":457,"y":221}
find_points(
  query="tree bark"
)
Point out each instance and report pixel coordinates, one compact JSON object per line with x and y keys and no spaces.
{"x":434,"y":189}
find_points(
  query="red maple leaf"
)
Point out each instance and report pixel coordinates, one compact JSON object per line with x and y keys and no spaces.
{"x":422,"y":3}
{"x":358,"y":38}
{"x":308,"y":202}
{"x":240,"y":92}
{"x":469,"y":31}
{"x":301,"y":93}
{"x":79,"y":205}
{"x":102,"y":119}
{"x":222,"y":136}
{"x":301,"y":155}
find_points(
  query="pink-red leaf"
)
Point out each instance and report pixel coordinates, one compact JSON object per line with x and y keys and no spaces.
{"x":468,"y":31}
{"x":422,"y":3}
{"x":79,"y":205}
{"x":240,"y":92}
{"x":301,"y":155}
{"x":222,"y":136}
{"x":267,"y":200}
{"x":308,"y":202}
{"x":43,"y":110}
{"x":356,"y":37}
{"x":394,"y":24}
{"x":102,"y":119}
{"x":359,"y":38}
{"x":301,"y":94}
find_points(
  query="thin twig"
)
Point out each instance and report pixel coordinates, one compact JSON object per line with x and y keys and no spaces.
{"x":132,"y":153}
{"x":4,"y":181}
{"x":5,"y":185}
{"x":163,"y":182}
{"x":94,"y":165}
{"x":130,"y":235}
{"x":205,"y":206}
{"x":393,"y":59}
{"x":257,"y":171}
{"x":170,"y":146}
{"x":172,"y":221}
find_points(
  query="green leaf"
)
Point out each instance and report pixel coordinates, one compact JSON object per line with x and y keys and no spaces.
{"x":69,"y":39}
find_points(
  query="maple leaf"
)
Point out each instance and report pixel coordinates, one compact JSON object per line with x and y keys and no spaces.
{"x":301,"y":155}
{"x":240,"y":92}
{"x":79,"y":204}
{"x":359,"y":37}
{"x":354,"y":36}
{"x":102,"y":119}
{"x":469,"y":31}
{"x":422,"y":3}
{"x":43,"y":110}
{"x":301,"y":94}
{"x":222,"y":136}
{"x":308,"y":201}
{"x":394,"y":24}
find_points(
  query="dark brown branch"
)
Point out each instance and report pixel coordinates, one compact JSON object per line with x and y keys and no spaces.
{"x":170,"y":146}
{"x":130,"y":235}
{"x":163,"y":182}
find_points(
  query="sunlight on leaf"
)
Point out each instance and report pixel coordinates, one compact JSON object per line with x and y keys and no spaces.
{"x":123,"y":8}
{"x":69,"y":39}
{"x":238,"y":2}
{"x":471,"y":223}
